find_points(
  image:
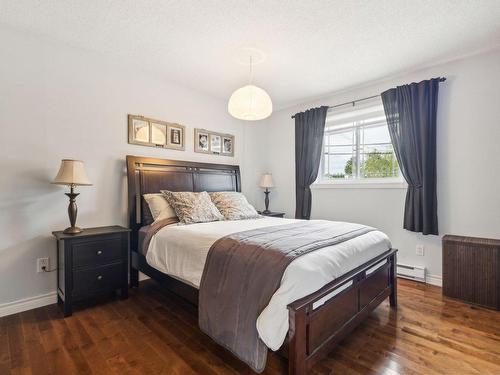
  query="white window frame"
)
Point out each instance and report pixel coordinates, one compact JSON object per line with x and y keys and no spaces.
{"x":358,"y":183}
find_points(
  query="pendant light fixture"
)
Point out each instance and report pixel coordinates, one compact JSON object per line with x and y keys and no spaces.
{"x":250,"y":102}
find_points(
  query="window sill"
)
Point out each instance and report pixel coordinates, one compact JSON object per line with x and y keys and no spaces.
{"x":373,"y":184}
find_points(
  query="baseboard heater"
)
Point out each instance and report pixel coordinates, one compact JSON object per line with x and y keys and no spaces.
{"x":416,"y":273}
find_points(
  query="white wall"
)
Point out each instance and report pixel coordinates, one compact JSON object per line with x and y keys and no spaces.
{"x":468,"y":159}
{"x":58,"y":102}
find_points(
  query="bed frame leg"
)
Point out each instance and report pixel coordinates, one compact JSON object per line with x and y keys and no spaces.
{"x":297,"y":343}
{"x":134,"y":277}
{"x":393,"y":297}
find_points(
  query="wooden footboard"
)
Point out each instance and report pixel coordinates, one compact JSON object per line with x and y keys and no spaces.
{"x":319,"y":321}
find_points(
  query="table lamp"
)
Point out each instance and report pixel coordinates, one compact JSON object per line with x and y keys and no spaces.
{"x":266,"y":182}
{"x":72,"y":173}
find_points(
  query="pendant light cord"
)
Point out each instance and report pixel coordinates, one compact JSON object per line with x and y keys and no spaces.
{"x":251,"y":71}
{"x":250,"y":102}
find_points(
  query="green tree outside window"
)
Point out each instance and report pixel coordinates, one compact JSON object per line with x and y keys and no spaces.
{"x":376,"y":165}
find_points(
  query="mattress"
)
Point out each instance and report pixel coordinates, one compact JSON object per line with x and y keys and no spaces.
{"x":181,"y":251}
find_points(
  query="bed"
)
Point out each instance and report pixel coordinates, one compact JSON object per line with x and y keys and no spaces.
{"x":314,"y":320}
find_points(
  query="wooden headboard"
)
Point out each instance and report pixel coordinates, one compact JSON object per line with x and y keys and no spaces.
{"x":148,"y":175}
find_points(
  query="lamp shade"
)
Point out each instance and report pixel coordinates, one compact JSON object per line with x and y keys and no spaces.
{"x":72,"y":172}
{"x":266,"y":181}
{"x":250,"y":103}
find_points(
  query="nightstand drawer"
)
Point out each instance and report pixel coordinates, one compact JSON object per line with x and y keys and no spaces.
{"x":98,"y":279}
{"x":98,"y":252}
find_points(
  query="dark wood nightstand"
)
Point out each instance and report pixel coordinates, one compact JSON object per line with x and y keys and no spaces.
{"x":90,"y":263}
{"x":272,"y":214}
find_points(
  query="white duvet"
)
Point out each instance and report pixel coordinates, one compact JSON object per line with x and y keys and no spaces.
{"x":181,"y":251}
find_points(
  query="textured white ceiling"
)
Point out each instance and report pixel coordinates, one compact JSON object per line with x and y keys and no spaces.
{"x":312,"y":47}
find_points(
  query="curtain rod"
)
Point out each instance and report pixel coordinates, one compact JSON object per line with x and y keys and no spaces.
{"x":442,"y":79}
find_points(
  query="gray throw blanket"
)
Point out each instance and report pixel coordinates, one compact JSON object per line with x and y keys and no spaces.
{"x":243,"y":271}
{"x":153,"y":229}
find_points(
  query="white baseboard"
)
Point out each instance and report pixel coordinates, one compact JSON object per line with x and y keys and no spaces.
{"x":29,"y":303}
{"x":434,"y":280}
{"x":429,"y":279}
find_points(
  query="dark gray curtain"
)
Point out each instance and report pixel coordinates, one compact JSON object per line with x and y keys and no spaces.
{"x":411,"y":116}
{"x":309,"y":130}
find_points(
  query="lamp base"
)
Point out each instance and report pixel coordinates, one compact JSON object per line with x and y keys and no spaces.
{"x":73,"y":230}
{"x":72,"y":211}
{"x":266,"y":201}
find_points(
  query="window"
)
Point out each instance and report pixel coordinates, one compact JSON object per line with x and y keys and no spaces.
{"x":357,"y":146}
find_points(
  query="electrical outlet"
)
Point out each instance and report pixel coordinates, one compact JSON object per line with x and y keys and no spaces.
{"x":420,"y":250}
{"x":42,"y":264}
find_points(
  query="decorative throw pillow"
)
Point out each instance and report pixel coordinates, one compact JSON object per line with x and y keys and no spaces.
{"x":193,"y":207}
{"x":233,"y":205}
{"x":159,"y":207}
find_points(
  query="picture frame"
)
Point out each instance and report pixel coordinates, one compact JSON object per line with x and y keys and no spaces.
{"x":138,"y":131}
{"x":215,"y":143}
{"x":175,"y":136}
{"x":158,"y":133}
{"x":146,"y":131}
{"x":228,"y":145}
{"x":201,"y":141}
{"x":209,"y":142}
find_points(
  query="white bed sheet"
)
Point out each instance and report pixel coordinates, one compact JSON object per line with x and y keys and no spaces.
{"x":181,"y":251}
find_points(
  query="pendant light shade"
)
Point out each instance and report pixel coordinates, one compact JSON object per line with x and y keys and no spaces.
{"x":250,"y":103}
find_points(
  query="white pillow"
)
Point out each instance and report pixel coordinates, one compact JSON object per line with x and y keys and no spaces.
{"x":159,"y":207}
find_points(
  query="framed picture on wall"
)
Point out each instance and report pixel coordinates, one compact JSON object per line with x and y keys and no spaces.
{"x":155,"y":133}
{"x":139,"y":130}
{"x":158,"y":133}
{"x":228,"y":145}
{"x":215,"y":143}
{"x":209,"y":142}
{"x":201,"y":139}
{"x":175,"y":136}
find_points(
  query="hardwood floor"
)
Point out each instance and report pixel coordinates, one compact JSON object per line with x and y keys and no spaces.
{"x":154,"y":332}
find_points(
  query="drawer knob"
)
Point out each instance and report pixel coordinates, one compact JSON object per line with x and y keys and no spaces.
{"x":99,"y":277}
{"x":99,"y":252}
